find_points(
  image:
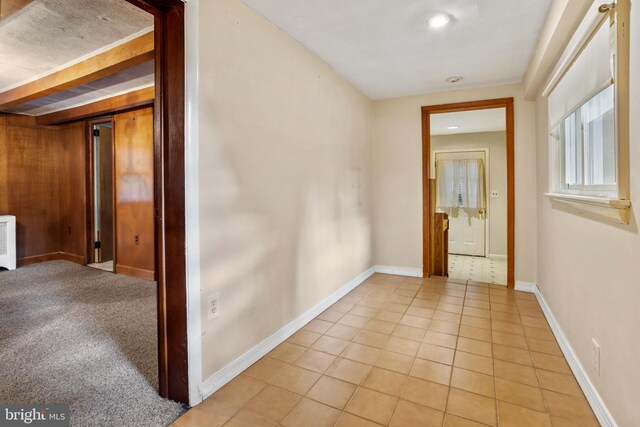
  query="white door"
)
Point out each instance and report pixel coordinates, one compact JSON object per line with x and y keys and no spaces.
{"x":466,"y":235}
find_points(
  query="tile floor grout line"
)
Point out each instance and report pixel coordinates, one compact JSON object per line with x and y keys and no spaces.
{"x":493,"y":365}
{"x":446,"y":405}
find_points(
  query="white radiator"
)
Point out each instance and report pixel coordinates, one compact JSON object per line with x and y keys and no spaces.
{"x":8,"y":242}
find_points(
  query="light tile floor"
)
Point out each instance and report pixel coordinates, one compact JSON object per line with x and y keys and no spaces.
{"x":479,"y":269}
{"x":106,"y":266}
{"x":402,"y":351}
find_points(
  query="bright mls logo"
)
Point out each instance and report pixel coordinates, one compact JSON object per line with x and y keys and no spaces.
{"x":34,"y":415}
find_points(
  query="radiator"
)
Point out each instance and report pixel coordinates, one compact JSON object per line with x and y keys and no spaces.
{"x":8,"y":242}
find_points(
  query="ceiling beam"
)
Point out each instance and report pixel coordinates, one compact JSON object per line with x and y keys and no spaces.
{"x":116,"y":59}
{"x":134,"y":99}
{"x":9,"y":7}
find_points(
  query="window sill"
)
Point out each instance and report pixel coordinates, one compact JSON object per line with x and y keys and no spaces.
{"x":616,"y":210}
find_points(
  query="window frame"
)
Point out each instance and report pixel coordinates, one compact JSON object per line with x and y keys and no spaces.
{"x":579,"y":138}
{"x":611,"y":206}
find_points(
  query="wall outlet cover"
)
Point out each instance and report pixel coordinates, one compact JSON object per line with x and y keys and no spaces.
{"x":213,"y":306}
{"x":495,"y":194}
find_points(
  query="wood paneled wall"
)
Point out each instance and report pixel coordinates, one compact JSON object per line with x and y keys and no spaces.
{"x":72,"y":190}
{"x":134,"y":196}
{"x":43,"y":183}
{"x":40,"y":186}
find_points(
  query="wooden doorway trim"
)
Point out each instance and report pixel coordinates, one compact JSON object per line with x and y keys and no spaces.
{"x":169,"y":183}
{"x":507,"y":104}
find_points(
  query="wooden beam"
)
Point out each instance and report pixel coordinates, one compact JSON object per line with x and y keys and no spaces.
{"x":9,"y":7}
{"x":134,"y":99}
{"x":116,"y":59}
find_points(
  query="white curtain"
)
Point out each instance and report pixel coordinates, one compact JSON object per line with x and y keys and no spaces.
{"x":461,"y":185}
{"x":589,"y":74}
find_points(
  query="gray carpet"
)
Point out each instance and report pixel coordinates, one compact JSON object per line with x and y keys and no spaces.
{"x":87,"y":338}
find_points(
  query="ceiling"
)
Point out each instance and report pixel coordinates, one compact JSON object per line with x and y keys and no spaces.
{"x":136,"y":77}
{"x":385,"y":48}
{"x":492,"y":120}
{"x":43,"y":36}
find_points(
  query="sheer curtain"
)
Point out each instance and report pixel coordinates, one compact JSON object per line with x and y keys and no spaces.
{"x":461,"y":186}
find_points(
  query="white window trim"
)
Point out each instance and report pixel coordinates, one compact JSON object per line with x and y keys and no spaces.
{"x":616,"y":209}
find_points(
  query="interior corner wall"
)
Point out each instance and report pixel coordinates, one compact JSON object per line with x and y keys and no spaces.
{"x":397,"y":177}
{"x":41,"y":187}
{"x":496,"y":143}
{"x":588,"y":270}
{"x":285,"y":180}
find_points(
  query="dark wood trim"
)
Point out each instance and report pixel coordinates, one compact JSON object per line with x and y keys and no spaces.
{"x":427,"y":267}
{"x":511,"y":197}
{"x":468,"y":106}
{"x":139,"y":273}
{"x":127,"y":101}
{"x":116,"y":59}
{"x":54,"y":256}
{"x":507,"y":104}
{"x":169,"y":174}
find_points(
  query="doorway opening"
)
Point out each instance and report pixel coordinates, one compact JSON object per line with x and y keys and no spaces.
{"x":468,"y":184}
{"x":100,"y":250}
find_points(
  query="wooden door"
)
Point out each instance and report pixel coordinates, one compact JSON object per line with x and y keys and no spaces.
{"x":105,"y":193}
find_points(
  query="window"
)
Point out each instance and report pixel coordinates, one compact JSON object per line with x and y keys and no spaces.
{"x":586,"y":143}
{"x":588,"y":116}
{"x":461,"y":185}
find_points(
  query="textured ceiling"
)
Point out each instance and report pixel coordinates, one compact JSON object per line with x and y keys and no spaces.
{"x":45,"y":35}
{"x":491,"y":120}
{"x":385,"y":48}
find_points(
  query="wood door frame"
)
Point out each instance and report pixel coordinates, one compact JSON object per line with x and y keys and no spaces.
{"x":426,"y":111}
{"x":169,"y":194}
{"x":90,"y":193}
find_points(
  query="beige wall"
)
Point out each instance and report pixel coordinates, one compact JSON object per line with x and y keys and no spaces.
{"x":496,"y":143}
{"x":588,"y":271}
{"x":397,"y":179}
{"x":285,"y":179}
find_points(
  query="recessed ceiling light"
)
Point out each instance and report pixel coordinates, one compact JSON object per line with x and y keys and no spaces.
{"x":453,"y":79}
{"x":452,"y":127}
{"x":438,"y":21}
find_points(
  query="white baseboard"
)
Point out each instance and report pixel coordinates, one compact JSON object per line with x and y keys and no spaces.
{"x":525,"y":286}
{"x":496,"y":256}
{"x":597,"y":404}
{"x":399,"y":271}
{"x":233,"y":369}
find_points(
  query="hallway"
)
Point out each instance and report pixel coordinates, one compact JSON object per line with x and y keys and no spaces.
{"x":403,"y":351}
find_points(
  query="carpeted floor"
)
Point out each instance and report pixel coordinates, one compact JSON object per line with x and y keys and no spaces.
{"x":84,"y":337}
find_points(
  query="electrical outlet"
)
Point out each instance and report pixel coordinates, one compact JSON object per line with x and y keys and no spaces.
{"x":137,"y":239}
{"x":595,"y":355}
{"x":213,"y":306}
{"x":495,"y":194}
